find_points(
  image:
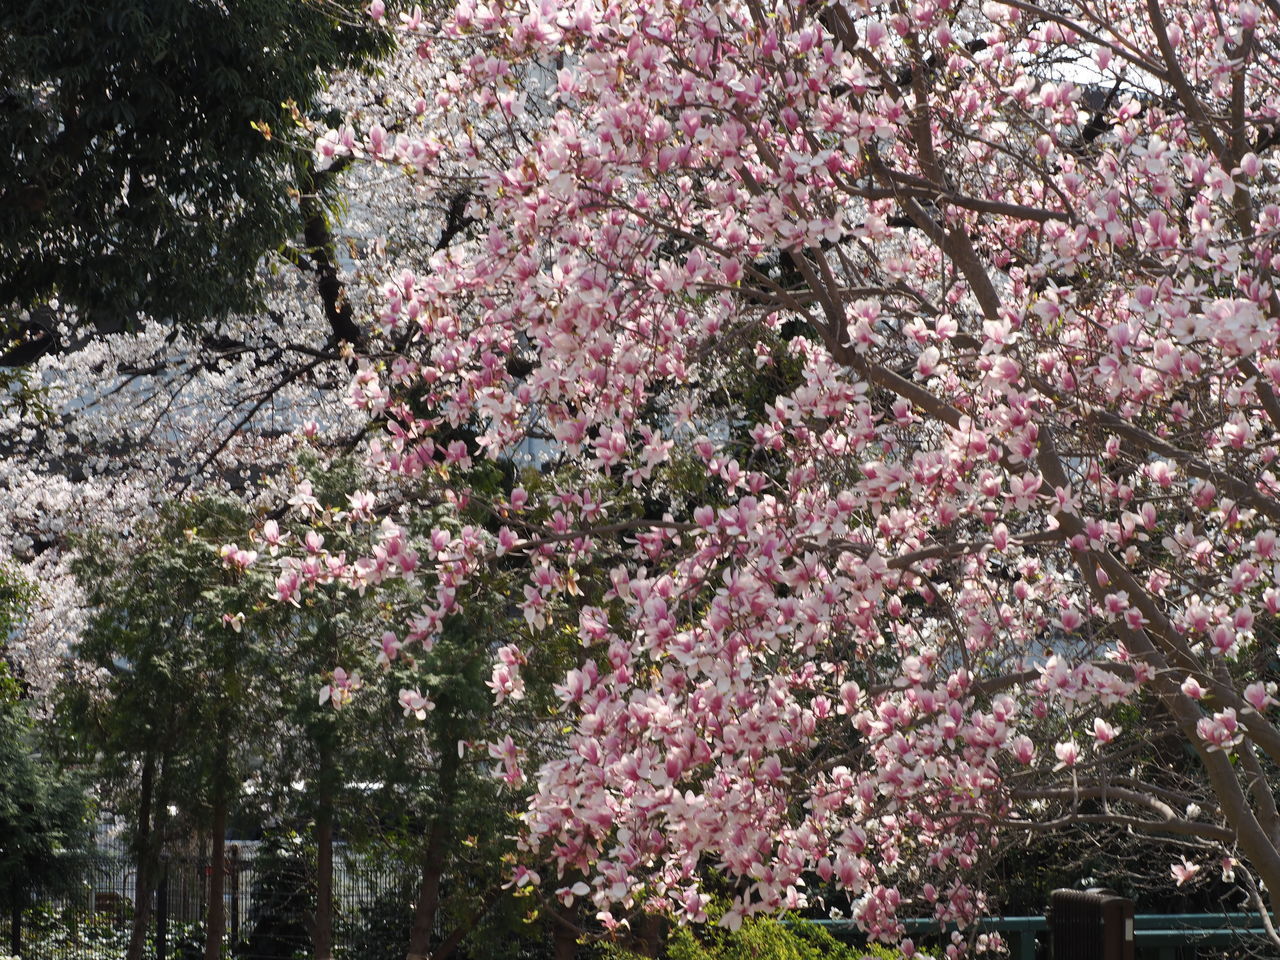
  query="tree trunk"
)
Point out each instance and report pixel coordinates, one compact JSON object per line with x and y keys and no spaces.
{"x":322,"y":934}
{"x":216,"y":919}
{"x":143,"y":861}
{"x":433,"y":860}
{"x":652,"y":933}
{"x":449,"y":944}
{"x":15,"y":928}
{"x":564,"y":938}
{"x":326,"y":739}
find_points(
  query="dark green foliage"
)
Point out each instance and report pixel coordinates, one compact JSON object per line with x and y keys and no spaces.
{"x":43,"y":810}
{"x":50,"y":933}
{"x":175,"y":680}
{"x":760,"y":940}
{"x":136,"y":170}
{"x":379,"y":929}
{"x":283,"y":897}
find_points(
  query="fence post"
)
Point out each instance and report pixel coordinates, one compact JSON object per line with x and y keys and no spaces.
{"x":162,"y":910}
{"x":15,"y":930}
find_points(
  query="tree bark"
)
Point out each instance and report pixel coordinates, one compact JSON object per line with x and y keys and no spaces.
{"x":322,"y":250}
{"x":15,"y":928}
{"x":564,"y":937}
{"x":322,"y":934}
{"x":143,"y":861}
{"x":216,"y":919}
{"x":433,"y":860}
{"x":565,"y":944}
{"x":449,"y":944}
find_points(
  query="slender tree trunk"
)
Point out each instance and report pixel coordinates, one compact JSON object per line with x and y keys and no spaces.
{"x":216,"y":918}
{"x":449,"y":944}
{"x":433,"y":860}
{"x":651,"y":931}
{"x":564,"y":938}
{"x":322,"y":935}
{"x":15,"y":928}
{"x":325,"y":737}
{"x":322,"y":249}
{"x":424,"y":914}
{"x":143,"y":862}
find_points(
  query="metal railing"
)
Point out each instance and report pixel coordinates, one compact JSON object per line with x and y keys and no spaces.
{"x":265,"y":905}
{"x":1157,"y":936}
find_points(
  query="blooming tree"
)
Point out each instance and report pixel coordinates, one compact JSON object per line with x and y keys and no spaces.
{"x":134,"y":420}
{"x":903,"y":379}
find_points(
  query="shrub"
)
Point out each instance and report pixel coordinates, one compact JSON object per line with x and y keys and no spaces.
{"x":761,"y":940}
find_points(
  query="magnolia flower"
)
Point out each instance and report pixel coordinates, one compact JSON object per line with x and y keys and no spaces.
{"x":1221,"y":731}
{"x":304,"y":499}
{"x":388,"y":649}
{"x":1023,"y":749}
{"x":272,"y":536}
{"x":415,"y":703}
{"x":1067,"y":753}
{"x":339,"y":689}
{"x":1104,"y":732}
{"x":362,"y":503}
{"x":1184,"y":871}
{"x":1258,"y":697}
{"x":233,"y":556}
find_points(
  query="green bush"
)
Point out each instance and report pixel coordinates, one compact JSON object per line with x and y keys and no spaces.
{"x":282,"y":901}
{"x":379,"y":928}
{"x":56,"y":933}
{"x":760,"y":940}
{"x":50,"y":932}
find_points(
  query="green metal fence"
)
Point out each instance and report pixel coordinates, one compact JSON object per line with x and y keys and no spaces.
{"x":1157,"y":936}
{"x":264,"y":909}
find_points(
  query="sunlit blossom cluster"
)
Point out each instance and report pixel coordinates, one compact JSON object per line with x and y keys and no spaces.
{"x":1015,"y":472}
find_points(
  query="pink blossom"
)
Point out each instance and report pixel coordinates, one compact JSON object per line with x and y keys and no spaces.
{"x":1104,"y":732}
{"x":1258,"y":696}
{"x":1222,"y":731}
{"x":415,"y":704}
{"x":1183,"y":872}
{"x":339,"y":689}
{"x":1068,"y":753}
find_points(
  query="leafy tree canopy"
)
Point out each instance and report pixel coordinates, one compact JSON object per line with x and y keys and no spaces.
{"x":143,"y":169}
{"x":42,"y":810}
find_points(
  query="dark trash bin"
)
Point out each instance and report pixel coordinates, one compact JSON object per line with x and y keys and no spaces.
{"x":1090,"y":925}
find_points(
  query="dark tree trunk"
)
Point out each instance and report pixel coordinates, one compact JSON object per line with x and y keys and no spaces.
{"x":449,"y":944}
{"x":143,"y":861}
{"x":216,"y":918}
{"x":322,"y":249}
{"x":326,"y":740}
{"x":433,"y":860}
{"x":15,"y":929}
{"x":650,"y":934}
{"x":322,"y":935}
{"x":564,"y":938}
